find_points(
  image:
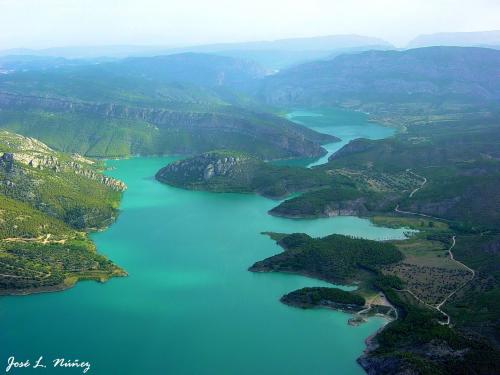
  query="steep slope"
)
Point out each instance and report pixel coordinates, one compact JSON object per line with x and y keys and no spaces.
{"x":47,"y":202}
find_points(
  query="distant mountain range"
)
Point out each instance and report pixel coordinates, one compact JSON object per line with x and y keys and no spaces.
{"x":273,"y":55}
{"x":320,"y":43}
{"x":191,"y":102}
{"x":489,"y":39}
{"x":416,"y":82}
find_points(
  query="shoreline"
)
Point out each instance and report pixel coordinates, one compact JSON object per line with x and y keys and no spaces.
{"x":72,"y":279}
{"x":370,"y":341}
{"x":62,"y":287}
{"x":333,"y":306}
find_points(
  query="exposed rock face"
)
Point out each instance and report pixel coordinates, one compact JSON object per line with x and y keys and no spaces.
{"x":346,"y":208}
{"x":238,"y":172}
{"x":35,"y":154}
{"x":354,"y":207}
{"x":105,"y":180}
{"x":439,"y":208}
{"x":205,"y":167}
{"x":221,"y":167}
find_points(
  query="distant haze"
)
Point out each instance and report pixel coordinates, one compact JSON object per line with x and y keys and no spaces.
{"x":42,"y":24}
{"x":479,"y":39}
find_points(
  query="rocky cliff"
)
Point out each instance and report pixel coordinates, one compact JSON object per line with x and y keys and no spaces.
{"x":35,"y":154}
{"x":48,"y":200}
{"x":218,"y":170}
{"x":153,"y":130}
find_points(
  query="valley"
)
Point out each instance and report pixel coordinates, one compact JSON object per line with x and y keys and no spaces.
{"x":360,"y":189}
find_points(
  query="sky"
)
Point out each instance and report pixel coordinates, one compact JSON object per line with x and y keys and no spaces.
{"x":55,"y":23}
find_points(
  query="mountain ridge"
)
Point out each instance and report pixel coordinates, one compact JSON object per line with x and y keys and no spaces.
{"x":406,"y":85}
{"x":463,"y":39}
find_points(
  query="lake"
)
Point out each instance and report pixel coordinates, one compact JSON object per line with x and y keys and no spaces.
{"x":189,"y":305}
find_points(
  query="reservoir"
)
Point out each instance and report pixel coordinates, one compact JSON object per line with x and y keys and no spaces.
{"x":189,"y":305}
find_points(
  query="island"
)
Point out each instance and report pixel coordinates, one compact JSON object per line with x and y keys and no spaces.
{"x":334,"y":298}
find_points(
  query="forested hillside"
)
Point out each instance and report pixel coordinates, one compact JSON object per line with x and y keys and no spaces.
{"x":237,"y":172}
{"x":48,"y":200}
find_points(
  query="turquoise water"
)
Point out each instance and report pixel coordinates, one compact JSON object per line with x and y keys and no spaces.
{"x":344,"y":124}
{"x":189,"y":305}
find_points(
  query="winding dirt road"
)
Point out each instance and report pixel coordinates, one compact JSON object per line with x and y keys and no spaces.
{"x":439,"y":306}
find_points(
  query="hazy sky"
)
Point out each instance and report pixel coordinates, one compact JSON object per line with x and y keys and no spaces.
{"x":51,"y":23}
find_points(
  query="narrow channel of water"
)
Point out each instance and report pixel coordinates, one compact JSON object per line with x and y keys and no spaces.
{"x":344,"y":124}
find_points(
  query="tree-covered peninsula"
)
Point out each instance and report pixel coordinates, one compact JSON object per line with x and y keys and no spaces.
{"x":238,"y":172}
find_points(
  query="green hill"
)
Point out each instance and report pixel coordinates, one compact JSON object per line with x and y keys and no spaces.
{"x":237,"y":172}
{"x":334,"y":258}
{"x":458,"y":159}
{"x":48,"y":200}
